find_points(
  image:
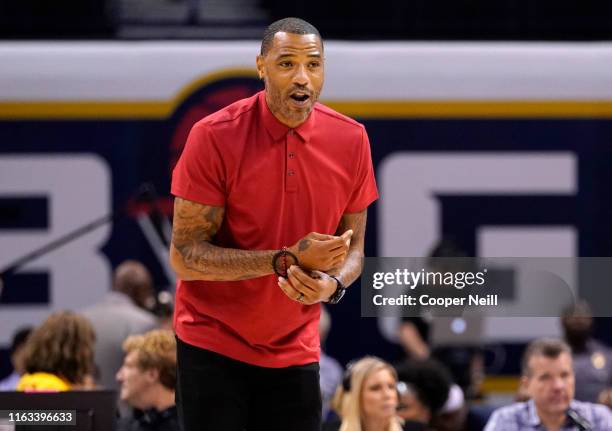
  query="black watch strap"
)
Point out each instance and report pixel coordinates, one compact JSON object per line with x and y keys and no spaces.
{"x":339,"y":293}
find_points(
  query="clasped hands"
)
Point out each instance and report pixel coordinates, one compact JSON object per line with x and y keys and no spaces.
{"x":317,"y":254}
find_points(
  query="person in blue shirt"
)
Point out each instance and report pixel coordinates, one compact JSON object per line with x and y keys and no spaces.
{"x":9,"y":383}
{"x":548,"y":378}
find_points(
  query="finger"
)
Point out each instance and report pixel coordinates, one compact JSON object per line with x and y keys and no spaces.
{"x":301,"y":281}
{"x":297,"y":292}
{"x":338,"y":243}
{"x":288,"y":289}
{"x":334,"y":262}
{"x":295,"y":269}
{"x":347,"y":235}
{"x":316,"y":275}
{"x":337,"y":263}
{"x":299,"y":287}
{"x":321,"y":236}
{"x":342,"y":255}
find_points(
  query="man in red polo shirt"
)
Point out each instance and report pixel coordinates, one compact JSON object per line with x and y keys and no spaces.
{"x":269,"y":221}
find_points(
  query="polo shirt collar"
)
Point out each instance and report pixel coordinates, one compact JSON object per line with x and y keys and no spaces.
{"x":277,"y":129}
{"x":532,"y":415}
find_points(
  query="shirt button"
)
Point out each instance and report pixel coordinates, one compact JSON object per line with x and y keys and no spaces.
{"x":291,"y":172}
{"x":291,"y":155}
{"x":290,"y":132}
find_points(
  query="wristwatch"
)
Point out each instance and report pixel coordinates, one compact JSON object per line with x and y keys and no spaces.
{"x":339,"y":293}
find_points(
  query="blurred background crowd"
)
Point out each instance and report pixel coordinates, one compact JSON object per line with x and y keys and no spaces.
{"x":125,"y":343}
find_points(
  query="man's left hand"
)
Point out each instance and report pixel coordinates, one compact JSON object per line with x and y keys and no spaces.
{"x":307,"y":288}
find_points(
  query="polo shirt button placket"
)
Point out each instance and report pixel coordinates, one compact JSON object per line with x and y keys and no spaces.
{"x":291,"y":180}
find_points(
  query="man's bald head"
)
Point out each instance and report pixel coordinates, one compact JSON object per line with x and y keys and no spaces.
{"x":134,"y":280}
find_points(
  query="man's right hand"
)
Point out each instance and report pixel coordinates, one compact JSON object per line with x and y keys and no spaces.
{"x":317,"y":251}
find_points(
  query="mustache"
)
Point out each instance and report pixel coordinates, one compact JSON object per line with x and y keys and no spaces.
{"x":305,"y":90}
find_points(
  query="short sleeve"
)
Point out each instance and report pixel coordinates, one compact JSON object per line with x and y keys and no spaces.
{"x":199,"y":174}
{"x":364,"y":190}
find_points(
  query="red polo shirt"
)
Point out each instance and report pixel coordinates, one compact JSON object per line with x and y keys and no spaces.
{"x":277,"y":185}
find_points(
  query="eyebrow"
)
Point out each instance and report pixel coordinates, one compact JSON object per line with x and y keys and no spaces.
{"x":286,"y":55}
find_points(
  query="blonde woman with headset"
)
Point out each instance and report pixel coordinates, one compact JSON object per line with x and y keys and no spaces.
{"x":367,"y":400}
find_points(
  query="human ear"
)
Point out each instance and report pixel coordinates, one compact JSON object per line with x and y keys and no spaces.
{"x":152,"y":374}
{"x":260,"y":66}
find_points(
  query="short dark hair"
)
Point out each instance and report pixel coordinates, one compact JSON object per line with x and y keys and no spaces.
{"x":287,"y":25}
{"x":578,"y":309}
{"x":429,"y":379}
{"x":548,"y":347}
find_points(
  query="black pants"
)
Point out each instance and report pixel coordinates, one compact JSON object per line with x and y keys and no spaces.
{"x":216,"y":393}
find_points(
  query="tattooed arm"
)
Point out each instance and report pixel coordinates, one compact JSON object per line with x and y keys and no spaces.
{"x":353,"y":265}
{"x":194,"y":257}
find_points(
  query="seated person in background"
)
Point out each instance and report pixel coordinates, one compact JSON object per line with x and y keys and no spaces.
{"x":367,"y":399}
{"x":466,"y":367}
{"x":148,"y":382}
{"x":457,"y":415}
{"x":19,"y":340}
{"x":453,"y":414}
{"x":58,"y":355}
{"x":424,"y":387}
{"x":592,"y":359}
{"x":118,"y":315}
{"x":548,"y":378}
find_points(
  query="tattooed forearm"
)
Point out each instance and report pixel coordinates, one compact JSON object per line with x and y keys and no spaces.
{"x":353,"y":265}
{"x":194,"y":257}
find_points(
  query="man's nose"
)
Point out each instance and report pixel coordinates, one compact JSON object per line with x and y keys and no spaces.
{"x":301,"y":77}
{"x":558,"y":383}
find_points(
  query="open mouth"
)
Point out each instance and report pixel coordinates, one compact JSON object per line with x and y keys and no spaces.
{"x":300,"y":97}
